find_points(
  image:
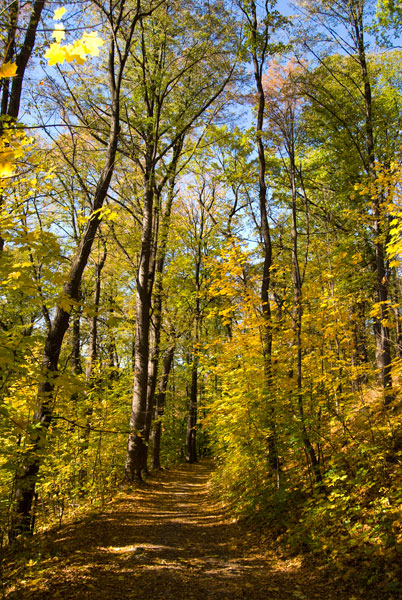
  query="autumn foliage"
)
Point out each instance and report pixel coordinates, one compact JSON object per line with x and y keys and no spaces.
{"x":178,"y":281}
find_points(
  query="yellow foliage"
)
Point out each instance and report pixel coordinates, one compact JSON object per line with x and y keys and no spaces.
{"x":55,"y":54}
{"x":59,"y":33}
{"x":7,"y":158}
{"x":92,"y":42}
{"x":59,"y":13}
{"x":13,"y":144}
{"x":8,"y":69}
{"x":87,"y":45}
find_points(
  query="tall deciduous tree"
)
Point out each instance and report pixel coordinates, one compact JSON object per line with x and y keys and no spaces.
{"x":119,"y":48}
{"x":261,"y":24}
{"x":176,"y":88}
{"x":345,"y":23}
{"x":283,"y":118}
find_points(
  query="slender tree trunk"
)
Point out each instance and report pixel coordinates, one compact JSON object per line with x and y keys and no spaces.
{"x":191,"y":434}
{"x":258,"y":63}
{"x":360,"y":355}
{"x":10,"y":52}
{"x":156,"y":321}
{"x":23,"y":57}
{"x":136,"y":445}
{"x":297,"y":320}
{"x":153,"y":366}
{"x":26,"y":476}
{"x":11,"y":91}
{"x":76,"y":343}
{"x":160,"y":402}
{"x":89,"y":371}
{"x":11,"y":94}
{"x":113,"y":362}
{"x":76,"y":355}
{"x":383,"y":340}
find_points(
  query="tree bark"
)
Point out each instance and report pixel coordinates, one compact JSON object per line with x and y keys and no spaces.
{"x":11,"y":92}
{"x":297,"y":324}
{"x":258,"y":64}
{"x":10,"y":52}
{"x":383,"y":354}
{"x":22,"y":59}
{"x":89,"y":371}
{"x":136,"y":445}
{"x":160,"y":402}
{"x":191,"y":434}
{"x":26,"y":476}
{"x":157,"y":300}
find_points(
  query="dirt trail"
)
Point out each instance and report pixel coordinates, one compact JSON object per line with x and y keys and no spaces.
{"x":168,"y":540}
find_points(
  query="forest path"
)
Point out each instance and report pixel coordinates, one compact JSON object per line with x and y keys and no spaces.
{"x":167,"y":540}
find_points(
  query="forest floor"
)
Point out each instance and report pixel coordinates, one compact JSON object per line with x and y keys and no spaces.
{"x":170,"y":539}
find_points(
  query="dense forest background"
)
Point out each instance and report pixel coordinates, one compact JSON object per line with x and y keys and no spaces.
{"x":200,"y":237}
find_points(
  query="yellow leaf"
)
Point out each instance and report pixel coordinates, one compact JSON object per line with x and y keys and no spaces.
{"x":6,"y":165}
{"x":88,"y":44}
{"x":31,"y":563}
{"x":15,"y":275}
{"x":65,"y":303}
{"x":92,"y":43}
{"x":58,"y":13}
{"x":8,"y":69}
{"x":58,"y":32}
{"x":75,"y":52}
{"x":55,"y":54}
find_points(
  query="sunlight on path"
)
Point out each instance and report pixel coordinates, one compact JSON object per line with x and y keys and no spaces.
{"x":168,"y":540}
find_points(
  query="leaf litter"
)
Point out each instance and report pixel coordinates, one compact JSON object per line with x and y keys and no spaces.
{"x":169,"y":539}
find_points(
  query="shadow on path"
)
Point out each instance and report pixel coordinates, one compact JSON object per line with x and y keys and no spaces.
{"x":169,"y":540}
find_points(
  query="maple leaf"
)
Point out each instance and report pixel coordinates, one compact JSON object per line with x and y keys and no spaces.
{"x":92,"y":43}
{"x":58,"y":13}
{"x":55,"y":54}
{"x":6,"y":166}
{"x":75,"y":52}
{"x":58,"y":32}
{"x":8,"y":69}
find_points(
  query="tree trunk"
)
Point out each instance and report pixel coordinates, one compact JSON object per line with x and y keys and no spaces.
{"x":156,"y":321}
{"x":383,"y":340}
{"x":26,"y":476}
{"x":76,"y":342}
{"x":23,"y":57}
{"x":360,"y":355}
{"x":191,"y":436}
{"x":11,"y":91}
{"x":10,"y":53}
{"x":258,"y":63}
{"x":160,"y":402}
{"x":297,"y":324}
{"x":89,"y":371}
{"x":136,"y":448}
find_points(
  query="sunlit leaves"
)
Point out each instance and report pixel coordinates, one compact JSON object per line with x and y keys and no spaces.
{"x":55,"y":54}
{"x":13,"y":145}
{"x":91,"y":43}
{"x":59,"y":13}
{"x":88,"y":45}
{"x":8,"y":69}
{"x":59,"y":32}
{"x":78,"y":51}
